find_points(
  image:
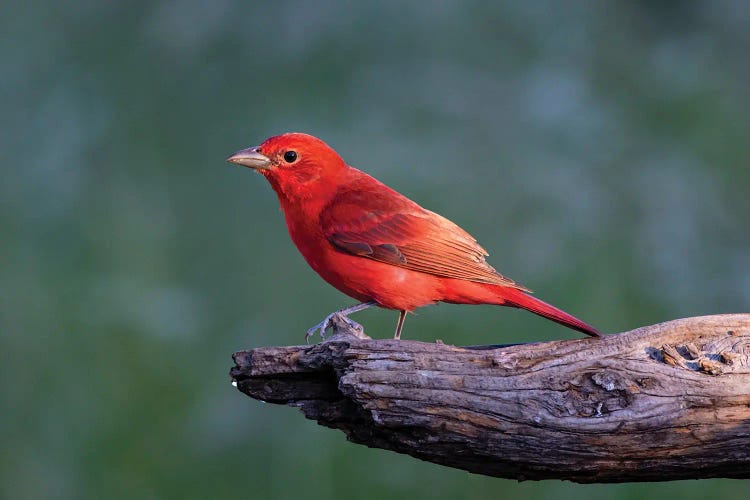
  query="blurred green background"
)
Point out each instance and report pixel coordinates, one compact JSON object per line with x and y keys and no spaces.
{"x":598,"y":150}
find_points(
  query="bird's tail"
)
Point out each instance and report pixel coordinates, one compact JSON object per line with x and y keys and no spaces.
{"x":517,"y":298}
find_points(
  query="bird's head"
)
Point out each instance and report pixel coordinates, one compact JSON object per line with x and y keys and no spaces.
{"x":298,"y":166}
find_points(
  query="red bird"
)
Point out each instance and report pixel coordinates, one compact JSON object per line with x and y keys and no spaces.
{"x":375,"y":244}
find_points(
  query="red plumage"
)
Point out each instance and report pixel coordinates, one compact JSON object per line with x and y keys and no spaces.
{"x":376,"y":245}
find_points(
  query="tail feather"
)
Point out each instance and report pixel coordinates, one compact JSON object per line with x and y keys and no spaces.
{"x":517,"y":298}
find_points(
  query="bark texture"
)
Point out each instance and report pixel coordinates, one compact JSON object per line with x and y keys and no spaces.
{"x":662,"y":402}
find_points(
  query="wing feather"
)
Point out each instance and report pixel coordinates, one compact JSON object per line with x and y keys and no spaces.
{"x":390,"y":228}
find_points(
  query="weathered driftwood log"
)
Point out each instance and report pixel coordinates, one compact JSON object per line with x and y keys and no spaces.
{"x":669,"y":401}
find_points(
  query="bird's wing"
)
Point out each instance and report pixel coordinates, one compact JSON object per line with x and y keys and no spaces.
{"x":384,"y":225}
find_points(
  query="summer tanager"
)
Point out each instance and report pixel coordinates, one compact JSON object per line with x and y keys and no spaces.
{"x":376,"y":245}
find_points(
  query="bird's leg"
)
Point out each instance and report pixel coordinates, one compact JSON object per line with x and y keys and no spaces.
{"x":400,"y":324}
{"x":343,"y":315}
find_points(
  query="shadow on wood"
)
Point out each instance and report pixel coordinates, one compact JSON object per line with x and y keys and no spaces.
{"x":663,"y":402}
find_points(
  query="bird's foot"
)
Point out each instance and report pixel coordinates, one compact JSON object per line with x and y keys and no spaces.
{"x":340,"y":324}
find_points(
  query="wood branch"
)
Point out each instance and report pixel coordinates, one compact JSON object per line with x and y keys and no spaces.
{"x":663,"y":402}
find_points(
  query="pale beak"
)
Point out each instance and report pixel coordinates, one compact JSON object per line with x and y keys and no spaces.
{"x":250,"y":157}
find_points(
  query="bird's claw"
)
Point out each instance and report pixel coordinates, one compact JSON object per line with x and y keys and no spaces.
{"x":322,"y":327}
{"x":339,"y":323}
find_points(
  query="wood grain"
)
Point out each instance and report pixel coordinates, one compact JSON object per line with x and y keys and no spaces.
{"x":663,"y":402}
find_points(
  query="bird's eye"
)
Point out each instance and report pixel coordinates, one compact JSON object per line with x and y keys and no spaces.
{"x":290,"y":156}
